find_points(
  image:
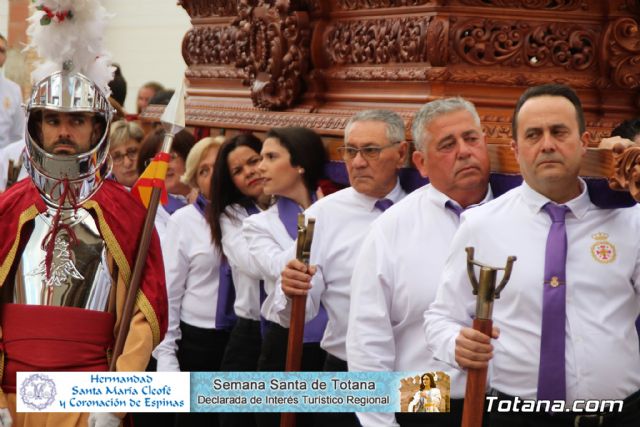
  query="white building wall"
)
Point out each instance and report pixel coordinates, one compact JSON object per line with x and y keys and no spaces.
{"x":145,"y":38}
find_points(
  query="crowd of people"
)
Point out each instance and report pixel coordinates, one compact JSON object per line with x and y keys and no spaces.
{"x":386,"y":287}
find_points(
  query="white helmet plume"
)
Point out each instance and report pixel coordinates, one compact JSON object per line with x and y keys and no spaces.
{"x":68,"y":34}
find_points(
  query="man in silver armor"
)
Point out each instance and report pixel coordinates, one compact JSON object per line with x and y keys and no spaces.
{"x":67,"y":252}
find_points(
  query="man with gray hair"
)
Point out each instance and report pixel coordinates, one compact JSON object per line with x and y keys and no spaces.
{"x":373,"y":151}
{"x":398,"y":269}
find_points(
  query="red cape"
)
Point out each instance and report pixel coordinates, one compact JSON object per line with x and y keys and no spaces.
{"x":119,"y":217}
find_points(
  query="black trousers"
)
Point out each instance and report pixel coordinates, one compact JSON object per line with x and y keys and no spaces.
{"x":273,"y":357}
{"x":629,"y":417}
{"x":200,"y":350}
{"x":241,"y":355}
{"x":336,"y":419}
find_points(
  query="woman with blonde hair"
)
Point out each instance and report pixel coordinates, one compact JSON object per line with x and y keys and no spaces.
{"x":199,"y":318}
{"x":124,"y":144}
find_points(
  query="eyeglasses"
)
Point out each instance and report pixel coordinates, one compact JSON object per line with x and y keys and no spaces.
{"x":371,"y":152}
{"x":131,"y":154}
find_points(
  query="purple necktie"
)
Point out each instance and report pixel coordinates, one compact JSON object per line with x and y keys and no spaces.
{"x":551,"y":376}
{"x":225,"y":314}
{"x":454,"y":208}
{"x":383,"y":204}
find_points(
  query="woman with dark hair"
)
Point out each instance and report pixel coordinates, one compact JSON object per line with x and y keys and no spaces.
{"x":236,"y":193}
{"x":292,"y":163}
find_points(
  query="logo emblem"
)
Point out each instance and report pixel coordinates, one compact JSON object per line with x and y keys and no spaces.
{"x":602,"y":250}
{"x":38,"y":391}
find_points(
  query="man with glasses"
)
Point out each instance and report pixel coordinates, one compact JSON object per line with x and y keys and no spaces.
{"x":396,"y":273}
{"x":374,"y":150}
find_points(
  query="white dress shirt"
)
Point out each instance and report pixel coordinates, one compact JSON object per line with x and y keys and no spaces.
{"x":12,"y":115}
{"x":192,"y":266}
{"x":270,"y":247}
{"x":13,"y":152}
{"x":245,"y":273}
{"x":602,"y":359}
{"x":394,"y":281}
{"x":342,"y":222}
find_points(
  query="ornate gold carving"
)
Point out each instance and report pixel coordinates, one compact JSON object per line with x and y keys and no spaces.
{"x":205,"y":8}
{"x":377,"y":41}
{"x":530,"y":4}
{"x":209,"y":45}
{"x":623,"y":46}
{"x":272,"y":44}
{"x":490,"y":42}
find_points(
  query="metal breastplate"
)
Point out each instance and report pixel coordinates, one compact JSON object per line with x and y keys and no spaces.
{"x":79,"y":274}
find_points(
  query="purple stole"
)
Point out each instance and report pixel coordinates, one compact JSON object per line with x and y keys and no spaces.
{"x":288,"y":211}
{"x":225,"y":315}
{"x":174,"y":203}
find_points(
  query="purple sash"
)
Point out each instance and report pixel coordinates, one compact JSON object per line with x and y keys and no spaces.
{"x":225,"y":315}
{"x":288,"y":211}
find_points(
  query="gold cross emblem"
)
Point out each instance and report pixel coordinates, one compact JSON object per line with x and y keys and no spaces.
{"x":554,"y":282}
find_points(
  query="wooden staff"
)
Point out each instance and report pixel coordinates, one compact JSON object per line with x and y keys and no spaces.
{"x":298,"y":303}
{"x":173,"y":122}
{"x":486,"y":290}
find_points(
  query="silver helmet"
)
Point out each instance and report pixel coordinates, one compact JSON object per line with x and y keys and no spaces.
{"x":67,"y":180}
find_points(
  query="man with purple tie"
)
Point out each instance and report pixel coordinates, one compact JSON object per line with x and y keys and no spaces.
{"x":374,"y":149}
{"x":396,"y":273}
{"x":564,"y":324}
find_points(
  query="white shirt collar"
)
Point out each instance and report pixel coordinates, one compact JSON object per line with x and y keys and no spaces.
{"x":441,"y":199}
{"x":579,"y":206}
{"x":395,"y":195}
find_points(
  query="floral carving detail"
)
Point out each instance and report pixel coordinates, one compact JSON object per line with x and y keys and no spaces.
{"x":387,"y":74}
{"x":272,"y":46}
{"x":376,"y":4}
{"x":209,"y":45}
{"x":623,"y":42}
{"x":530,"y":4}
{"x":205,"y":8}
{"x":377,"y":41}
{"x":500,"y":78}
{"x":489,"y":42}
{"x":216,"y":73}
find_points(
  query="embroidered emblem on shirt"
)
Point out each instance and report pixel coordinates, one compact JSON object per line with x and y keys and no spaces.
{"x":6,"y":103}
{"x":602,"y":250}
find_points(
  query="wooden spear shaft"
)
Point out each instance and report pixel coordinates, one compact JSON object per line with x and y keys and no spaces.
{"x":139,"y":264}
{"x":136,"y":276}
{"x":474,"y":395}
{"x":298,"y":305}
